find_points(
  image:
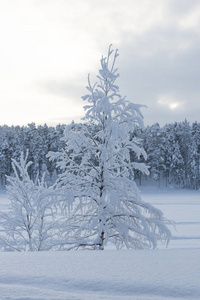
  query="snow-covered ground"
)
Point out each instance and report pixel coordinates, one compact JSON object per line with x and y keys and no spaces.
{"x":172,"y":273}
{"x":183,"y":208}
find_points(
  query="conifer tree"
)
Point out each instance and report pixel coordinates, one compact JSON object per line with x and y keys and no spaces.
{"x":98,"y":176}
{"x":194,"y":157}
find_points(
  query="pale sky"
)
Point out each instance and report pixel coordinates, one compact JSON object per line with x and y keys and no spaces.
{"x":48,"y":47}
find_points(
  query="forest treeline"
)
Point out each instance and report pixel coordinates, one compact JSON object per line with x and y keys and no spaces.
{"x":39,"y":140}
{"x":173,"y":151}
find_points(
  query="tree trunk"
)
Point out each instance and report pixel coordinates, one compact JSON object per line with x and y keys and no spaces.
{"x":101,"y":245}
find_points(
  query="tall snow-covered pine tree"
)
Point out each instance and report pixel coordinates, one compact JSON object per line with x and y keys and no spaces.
{"x":97,"y":174}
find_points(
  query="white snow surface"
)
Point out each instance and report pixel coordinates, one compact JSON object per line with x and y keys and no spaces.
{"x":172,"y":273}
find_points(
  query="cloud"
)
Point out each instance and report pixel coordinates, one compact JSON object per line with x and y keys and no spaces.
{"x":64,"y":89}
{"x":164,"y":62}
{"x":170,"y":102}
{"x":49,"y":47}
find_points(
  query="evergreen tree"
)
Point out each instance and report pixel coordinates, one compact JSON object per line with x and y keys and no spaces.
{"x":168,"y":142}
{"x":184,"y":137}
{"x":177,"y":166}
{"x":155,"y":151}
{"x":98,"y":177}
{"x":194,"y":157}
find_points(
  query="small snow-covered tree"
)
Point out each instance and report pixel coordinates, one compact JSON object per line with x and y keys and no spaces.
{"x":30,"y":223}
{"x":98,"y":176}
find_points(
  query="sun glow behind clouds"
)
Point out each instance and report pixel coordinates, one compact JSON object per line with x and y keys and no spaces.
{"x":170,"y":102}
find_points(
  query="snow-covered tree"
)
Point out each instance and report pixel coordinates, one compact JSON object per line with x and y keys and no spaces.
{"x":177,"y":166}
{"x":194,"y":157}
{"x":154,"y":148}
{"x":184,"y":137}
{"x":97,"y":174}
{"x":30,"y":224}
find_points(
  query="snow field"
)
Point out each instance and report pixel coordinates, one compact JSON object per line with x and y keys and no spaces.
{"x":183,"y":209}
{"x":101,"y":275}
{"x":173,"y":273}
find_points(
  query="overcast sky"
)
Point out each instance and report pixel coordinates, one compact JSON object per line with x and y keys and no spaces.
{"x":48,"y":47}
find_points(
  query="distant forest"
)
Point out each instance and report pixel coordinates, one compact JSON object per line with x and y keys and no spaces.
{"x":173,"y":152}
